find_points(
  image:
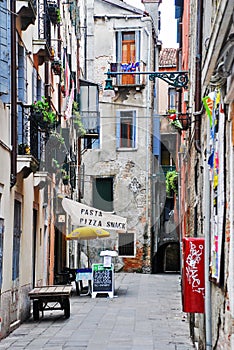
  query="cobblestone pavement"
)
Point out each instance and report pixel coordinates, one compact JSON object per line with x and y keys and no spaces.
{"x":145,"y":314}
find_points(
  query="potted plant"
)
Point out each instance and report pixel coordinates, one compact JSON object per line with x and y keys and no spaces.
{"x":185,"y":120}
{"x":77,"y":119}
{"x":171,"y":183}
{"x":65,"y":177}
{"x":56,"y":140}
{"x":42,"y":114}
{"x":23,"y":149}
{"x":56,"y":66}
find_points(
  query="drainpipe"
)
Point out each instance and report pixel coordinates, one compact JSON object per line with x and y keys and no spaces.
{"x":206,"y":202}
{"x":147,"y":142}
{"x":206,"y":206}
{"x":197,"y":138}
{"x":13,"y":96}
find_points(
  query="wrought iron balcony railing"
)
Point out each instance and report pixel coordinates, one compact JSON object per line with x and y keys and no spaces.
{"x":39,"y":149}
{"x":30,"y":139}
{"x":131,"y":79}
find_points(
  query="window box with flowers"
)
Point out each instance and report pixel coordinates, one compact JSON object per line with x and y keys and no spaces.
{"x":42,"y":115}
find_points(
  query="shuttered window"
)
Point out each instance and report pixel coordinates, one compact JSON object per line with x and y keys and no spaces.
{"x":1,"y":247}
{"x":4,"y":49}
{"x":16,"y":240}
{"x":128,"y":52}
{"x":126,"y":129}
{"x":22,"y":79}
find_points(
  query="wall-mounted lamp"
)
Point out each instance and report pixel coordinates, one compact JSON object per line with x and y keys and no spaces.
{"x":176,"y":79}
{"x":108,"y":85}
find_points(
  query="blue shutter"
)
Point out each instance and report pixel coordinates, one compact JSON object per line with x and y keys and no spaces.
{"x":16,"y":240}
{"x":156,"y":136}
{"x":118,"y":129}
{"x":4,"y":51}
{"x":118,"y":54}
{"x":119,"y":47}
{"x":21,"y":74}
{"x":138,"y":52}
{"x":1,"y":248}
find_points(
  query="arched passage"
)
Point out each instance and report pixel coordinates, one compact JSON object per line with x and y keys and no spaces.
{"x":167,"y":258}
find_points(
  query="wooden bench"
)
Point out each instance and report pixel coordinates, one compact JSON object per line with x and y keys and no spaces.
{"x":50,"y":298}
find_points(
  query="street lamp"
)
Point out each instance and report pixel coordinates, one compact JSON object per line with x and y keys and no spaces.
{"x":176,"y":79}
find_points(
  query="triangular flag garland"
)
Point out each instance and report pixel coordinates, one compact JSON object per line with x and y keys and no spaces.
{"x":177,"y":124}
{"x":173,"y":118}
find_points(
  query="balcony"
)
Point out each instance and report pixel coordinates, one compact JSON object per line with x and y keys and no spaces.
{"x":124,"y":80}
{"x":89,"y":104}
{"x":30,"y":143}
{"x":27,"y":12}
{"x":42,"y":45}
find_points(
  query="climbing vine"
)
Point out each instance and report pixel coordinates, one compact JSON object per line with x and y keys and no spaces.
{"x":171,"y":183}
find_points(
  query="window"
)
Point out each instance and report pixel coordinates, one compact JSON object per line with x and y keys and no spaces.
{"x":128,"y":52}
{"x":171,"y":98}
{"x":1,"y":248}
{"x":90,"y":118}
{"x":165,"y":155}
{"x":4,"y":51}
{"x":16,"y":240}
{"x":126,"y":129}
{"x":90,"y":142}
{"x":103,"y":193}
{"x":126,"y":244}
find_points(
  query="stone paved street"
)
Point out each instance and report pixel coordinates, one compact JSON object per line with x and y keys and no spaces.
{"x":145,"y":314}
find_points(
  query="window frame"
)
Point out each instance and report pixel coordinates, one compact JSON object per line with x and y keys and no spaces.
{"x":119,"y":53}
{"x":96,"y":193}
{"x":133,"y":242}
{"x":119,"y":117}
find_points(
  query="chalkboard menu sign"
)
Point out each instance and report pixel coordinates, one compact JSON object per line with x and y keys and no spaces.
{"x":102,"y":279}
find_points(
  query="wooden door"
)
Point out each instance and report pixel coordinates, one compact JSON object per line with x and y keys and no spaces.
{"x":128,"y":55}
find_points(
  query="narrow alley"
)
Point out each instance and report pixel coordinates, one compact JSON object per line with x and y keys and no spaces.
{"x":145,"y":314}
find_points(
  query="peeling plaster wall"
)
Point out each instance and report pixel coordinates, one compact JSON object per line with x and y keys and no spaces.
{"x":127,"y":167}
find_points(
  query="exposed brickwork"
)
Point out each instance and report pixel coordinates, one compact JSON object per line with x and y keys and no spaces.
{"x":134,"y":264}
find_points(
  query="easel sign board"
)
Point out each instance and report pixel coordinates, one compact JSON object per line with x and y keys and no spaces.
{"x":102,"y":280}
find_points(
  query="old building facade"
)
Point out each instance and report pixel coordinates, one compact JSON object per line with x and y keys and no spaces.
{"x":206,"y":200}
{"x":118,"y":153}
{"x":37,"y":61}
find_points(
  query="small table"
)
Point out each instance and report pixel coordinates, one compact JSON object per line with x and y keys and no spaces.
{"x":81,"y":276}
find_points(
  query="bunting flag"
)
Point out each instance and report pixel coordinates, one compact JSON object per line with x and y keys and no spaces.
{"x":208,"y":104}
{"x":177,"y":124}
{"x":68,"y":112}
{"x":172,"y":117}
